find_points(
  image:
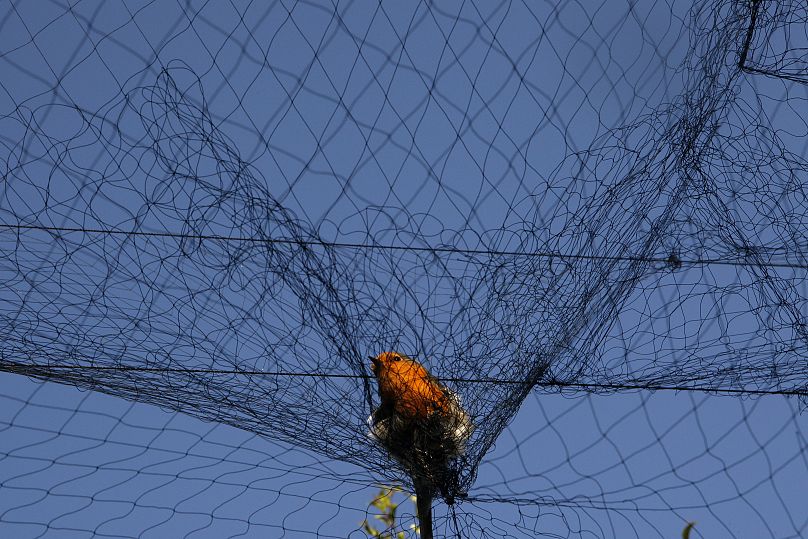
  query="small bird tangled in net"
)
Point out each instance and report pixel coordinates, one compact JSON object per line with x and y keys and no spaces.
{"x":423,"y":426}
{"x":221,"y":210}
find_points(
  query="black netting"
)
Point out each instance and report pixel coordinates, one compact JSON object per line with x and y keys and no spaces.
{"x":223,"y":209}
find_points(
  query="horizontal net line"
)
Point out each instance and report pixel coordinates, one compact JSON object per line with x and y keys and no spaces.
{"x":22,"y":368}
{"x":672,"y":260}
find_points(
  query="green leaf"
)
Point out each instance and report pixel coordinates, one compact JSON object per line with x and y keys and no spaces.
{"x":387,"y":508}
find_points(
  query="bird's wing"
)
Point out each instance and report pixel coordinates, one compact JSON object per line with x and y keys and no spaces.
{"x":458,"y":426}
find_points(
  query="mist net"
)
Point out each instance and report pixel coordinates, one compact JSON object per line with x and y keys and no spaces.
{"x":223,"y":210}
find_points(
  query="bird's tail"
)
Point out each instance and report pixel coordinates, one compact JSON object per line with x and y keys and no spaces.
{"x":423,"y":503}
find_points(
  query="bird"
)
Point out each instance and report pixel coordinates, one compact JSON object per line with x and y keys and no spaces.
{"x":421,"y":423}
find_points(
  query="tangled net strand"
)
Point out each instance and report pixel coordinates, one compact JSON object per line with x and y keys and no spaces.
{"x":227,"y":227}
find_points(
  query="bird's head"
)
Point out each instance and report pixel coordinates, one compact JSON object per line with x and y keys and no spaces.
{"x":382,"y":362}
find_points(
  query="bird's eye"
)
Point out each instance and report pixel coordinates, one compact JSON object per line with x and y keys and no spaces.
{"x":396,"y":358}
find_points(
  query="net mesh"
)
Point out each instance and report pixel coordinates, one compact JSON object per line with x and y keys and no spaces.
{"x":223,"y":209}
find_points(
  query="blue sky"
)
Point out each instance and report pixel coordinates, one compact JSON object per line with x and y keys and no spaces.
{"x":405,"y":125}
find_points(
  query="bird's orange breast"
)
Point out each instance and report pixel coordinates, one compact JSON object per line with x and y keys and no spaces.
{"x":411,"y":390}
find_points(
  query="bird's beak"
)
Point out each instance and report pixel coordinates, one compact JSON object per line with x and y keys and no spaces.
{"x":375,"y":361}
